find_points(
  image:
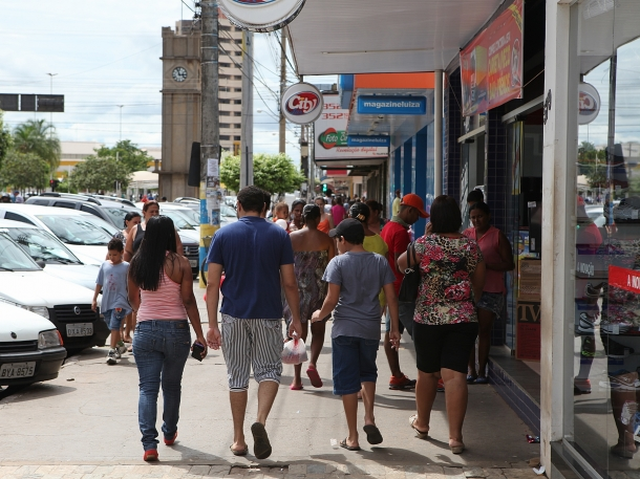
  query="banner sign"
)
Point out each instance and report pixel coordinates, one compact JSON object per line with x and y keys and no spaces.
{"x":392,"y":105}
{"x":301,"y":103}
{"x":491,"y":65}
{"x":261,"y":15}
{"x":331,"y":139}
{"x":366,"y":140}
{"x":623,"y":278}
{"x":588,"y":103}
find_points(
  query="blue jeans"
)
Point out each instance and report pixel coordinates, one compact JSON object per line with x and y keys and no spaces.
{"x":161,"y":349}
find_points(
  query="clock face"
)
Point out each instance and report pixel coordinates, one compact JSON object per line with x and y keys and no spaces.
{"x":179,"y":74}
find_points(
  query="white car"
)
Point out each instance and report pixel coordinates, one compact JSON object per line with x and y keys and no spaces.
{"x":31,"y":347}
{"x":83,"y":233}
{"x":50,"y":253}
{"x":67,"y":305}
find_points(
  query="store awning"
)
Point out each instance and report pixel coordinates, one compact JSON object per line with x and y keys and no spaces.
{"x":334,"y":36}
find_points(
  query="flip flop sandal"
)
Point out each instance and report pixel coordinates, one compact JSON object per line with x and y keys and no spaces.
{"x":373,"y":434}
{"x":293,"y":387}
{"x":241,"y":452}
{"x":314,"y":377}
{"x":344,"y":445}
{"x":261,"y":444}
{"x":420,"y":434}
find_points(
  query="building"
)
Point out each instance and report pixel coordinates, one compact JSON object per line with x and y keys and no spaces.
{"x":181,"y":99}
{"x":567,"y":355}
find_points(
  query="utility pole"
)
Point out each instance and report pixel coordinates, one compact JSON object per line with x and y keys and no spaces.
{"x":210,"y":193}
{"x":246,"y":133}
{"x":120,"y":106}
{"x":51,"y":75}
{"x":283,"y":87}
{"x":304,"y":158}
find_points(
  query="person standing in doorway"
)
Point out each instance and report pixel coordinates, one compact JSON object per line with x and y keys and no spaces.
{"x":396,"y":234}
{"x":395,"y":206}
{"x":257,"y":258}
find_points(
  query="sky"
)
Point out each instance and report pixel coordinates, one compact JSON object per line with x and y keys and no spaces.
{"x":104,"y":57}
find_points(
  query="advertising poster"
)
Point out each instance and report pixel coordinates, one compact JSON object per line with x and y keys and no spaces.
{"x":491,"y":65}
{"x":331,"y":140}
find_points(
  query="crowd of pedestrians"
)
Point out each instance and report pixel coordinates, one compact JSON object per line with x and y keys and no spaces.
{"x":308,"y":263}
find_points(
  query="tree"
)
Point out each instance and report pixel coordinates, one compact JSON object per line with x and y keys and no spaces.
{"x":99,"y":174}
{"x":273,"y":173}
{"x":38,"y":137}
{"x":24,"y":170}
{"x":593,"y":164}
{"x":5,"y":141}
{"x":128,"y":154}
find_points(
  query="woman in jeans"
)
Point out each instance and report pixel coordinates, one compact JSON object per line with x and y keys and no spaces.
{"x":445,"y":320}
{"x":161,"y":292}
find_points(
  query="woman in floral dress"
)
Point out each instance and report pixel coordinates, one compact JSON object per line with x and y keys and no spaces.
{"x":445,"y":322}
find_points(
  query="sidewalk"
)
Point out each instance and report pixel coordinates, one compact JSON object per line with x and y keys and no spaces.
{"x":84,"y":425}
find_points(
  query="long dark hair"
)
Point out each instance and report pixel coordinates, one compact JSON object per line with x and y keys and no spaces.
{"x":148,"y":263}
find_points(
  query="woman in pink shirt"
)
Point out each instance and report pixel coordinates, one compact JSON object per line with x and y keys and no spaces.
{"x":161,"y":291}
{"x":498,"y":258}
{"x":337,"y":211}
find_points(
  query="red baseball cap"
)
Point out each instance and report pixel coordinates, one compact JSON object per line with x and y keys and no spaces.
{"x":416,"y":202}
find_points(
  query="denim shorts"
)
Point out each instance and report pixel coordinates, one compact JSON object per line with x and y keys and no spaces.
{"x":114,"y":318}
{"x":405,"y":313}
{"x":493,"y":302}
{"x":354,"y":362}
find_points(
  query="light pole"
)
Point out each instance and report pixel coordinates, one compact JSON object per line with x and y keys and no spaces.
{"x":120,"y":106}
{"x":51,"y":75}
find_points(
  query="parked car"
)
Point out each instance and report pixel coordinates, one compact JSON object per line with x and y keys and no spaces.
{"x":83,"y":233}
{"x":50,"y":253}
{"x":31,"y":348}
{"x":67,"y":305}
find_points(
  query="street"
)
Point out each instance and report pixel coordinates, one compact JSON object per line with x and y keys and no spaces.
{"x":84,"y":424}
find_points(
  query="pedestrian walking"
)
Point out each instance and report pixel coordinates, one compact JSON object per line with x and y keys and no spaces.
{"x":161,"y":292}
{"x":312,"y":251}
{"x":355,"y":278}
{"x":396,"y":234}
{"x":112,"y":281}
{"x":257,"y":257}
{"x":445,"y":320}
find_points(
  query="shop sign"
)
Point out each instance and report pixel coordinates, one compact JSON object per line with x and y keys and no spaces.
{"x":368,"y":140}
{"x":392,"y":105}
{"x":623,"y":278}
{"x":331,"y":139}
{"x":301,"y":103}
{"x":491,"y":65}
{"x":588,"y":103}
{"x":261,"y":15}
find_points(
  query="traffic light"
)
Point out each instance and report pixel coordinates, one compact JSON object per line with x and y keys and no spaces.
{"x":52,"y":184}
{"x":325,"y":188}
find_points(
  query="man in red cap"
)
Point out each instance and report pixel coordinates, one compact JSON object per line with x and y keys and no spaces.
{"x":396,"y":234}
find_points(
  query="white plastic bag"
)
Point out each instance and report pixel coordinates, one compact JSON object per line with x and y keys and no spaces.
{"x":294,"y":352}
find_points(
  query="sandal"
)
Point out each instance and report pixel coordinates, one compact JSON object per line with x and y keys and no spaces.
{"x":344,"y":445}
{"x":373,"y":434}
{"x":471,"y":378}
{"x":419,"y":434}
{"x":314,"y":377}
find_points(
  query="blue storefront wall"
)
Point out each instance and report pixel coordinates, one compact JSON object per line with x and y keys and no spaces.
{"x":411,"y":170}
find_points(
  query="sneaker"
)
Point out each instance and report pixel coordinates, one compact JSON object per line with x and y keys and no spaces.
{"x":150,"y":455}
{"x":401,"y":383}
{"x":581,"y":386}
{"x":121,"y":348}
{"x":112,"y":356}
{"x":440,"y":385}
{"x":169,"y":441}
{"x":585,"y":324}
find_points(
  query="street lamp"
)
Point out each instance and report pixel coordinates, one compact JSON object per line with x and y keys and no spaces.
{"x":51,"y":75}
{"x":120,"y":106}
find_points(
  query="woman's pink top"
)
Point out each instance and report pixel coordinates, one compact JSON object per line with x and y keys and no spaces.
{"x":488,"y":242}
{"x":163,"y":303}
{"x":338,"y":214}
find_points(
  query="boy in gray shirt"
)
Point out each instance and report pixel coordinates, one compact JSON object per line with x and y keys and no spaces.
{"x":355,"y":278}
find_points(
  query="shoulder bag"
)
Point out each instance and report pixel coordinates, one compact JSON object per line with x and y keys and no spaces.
{"x":411,"y":281}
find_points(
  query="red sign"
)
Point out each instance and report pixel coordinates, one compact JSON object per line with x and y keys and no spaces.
{"x":491,"y":65}
{"x":624,"y":278}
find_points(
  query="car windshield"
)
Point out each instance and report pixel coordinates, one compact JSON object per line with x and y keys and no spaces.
{"x":13,"y":258}
{"x":227,"y":211}
{"x":40,"y":245}
{"x":117,"y":214}
{"x":80,"y":230}
{"x":180,"y":221}
{"x":192,"y":216}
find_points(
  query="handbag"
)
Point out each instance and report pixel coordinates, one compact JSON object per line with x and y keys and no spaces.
{"x":411,"y":281}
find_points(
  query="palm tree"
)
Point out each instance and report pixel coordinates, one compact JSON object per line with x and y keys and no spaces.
{"x":38,"y":137}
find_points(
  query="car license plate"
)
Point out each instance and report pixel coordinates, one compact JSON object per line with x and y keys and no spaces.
{"x":193,"y":263}
{"x":76,"y":330}
{"x":17,"y":370}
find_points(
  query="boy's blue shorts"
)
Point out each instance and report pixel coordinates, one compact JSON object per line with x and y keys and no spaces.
{"x":114,"y":318}
{"x":354,"y":362}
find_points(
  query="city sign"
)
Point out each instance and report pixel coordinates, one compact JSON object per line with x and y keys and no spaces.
{"x":301,"y":103}
{"x":261,"y":15}
{"x":391,"y":105}
{"x":368,"y":140}
{"x":41,"y":103}
{"x":588,"y":103}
